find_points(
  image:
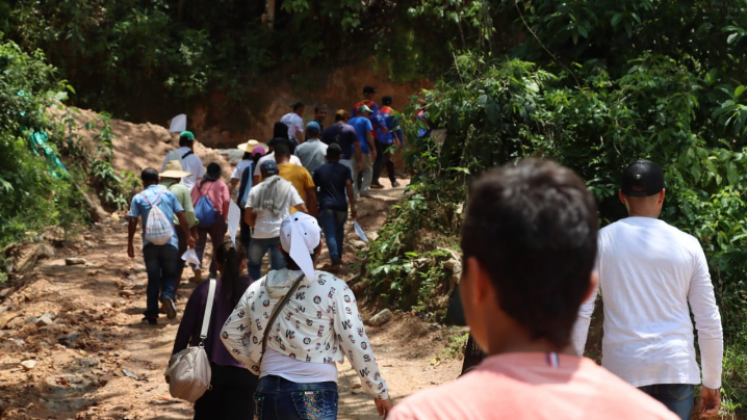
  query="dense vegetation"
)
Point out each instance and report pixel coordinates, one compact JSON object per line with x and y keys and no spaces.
{"x":595,"y":86}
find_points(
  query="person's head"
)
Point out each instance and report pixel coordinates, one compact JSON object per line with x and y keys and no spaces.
{"x":387,"y":100}
{"x":364,"y":111}
{"x":313,"y":129}
{"x":257,"y":153}
{"x":280,"y":130}
{"x":369,"y":92}
{"x":299,"y":108}
{"x":269,"y":168}
{"x":212,"y":173}
{"x":320,"y":113}
{"x":231,"y":262}
{"x":300,"y":242}
{"x":334,"y":152}
{"x":341,"y":115}
{"x":174,"y":172}
{"x":149,"y":176}
{"x":186,"y":139}
{"x":529,"y":242}
{"x":282,"y":152}
{"x":642,"y":189}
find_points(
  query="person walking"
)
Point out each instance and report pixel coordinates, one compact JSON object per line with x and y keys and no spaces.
{"x":231,"y":382}
{"x":246,"y":184}
{"x":170,"y":179}
{"x":364,"y":129}
{"x":388,"y":133}
{"x":290,"y":328}
{"x":334,"y":181}
{"x":298,"y":176}
{"x":186,"y":156}
{"x":212,"y":187}
{"x":160,"y":260}
{"x":649,"y":273}
{"x":345,"y":135}
{"x":369,"y":92}
{"x":268,"y":204}
{"x":294,"y":121}
{"x":529,"y":242}
{"x":320,"y":115}
{"x":251,"y":148}
{"x":313,"y":151}
{"x":271,"y":156}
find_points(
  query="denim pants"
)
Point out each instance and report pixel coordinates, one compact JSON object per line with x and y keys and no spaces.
{"x":279,"y":399}
{"x":161,"y":266}
{"x":365,"y":175}
{"x":332,"y":223}
{"x":258,"y":247}
{"x":678,"y":398}
{"x":217,"y":232}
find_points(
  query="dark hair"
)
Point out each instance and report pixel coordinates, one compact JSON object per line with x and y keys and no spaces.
{"x":212,"y":174}
{"x":319,"y":108}
{"x":185,"y":141}
{"x":386,"y":100}
{"x":334,"y":151}
{"x":247,"y":155}
{"x":533,"y":227}
{"x":280,"y":130}
{"x":149,"y":175}
{"x":290,"y":264}
{"x":282,"y":150}
{"x":298,"y":105}
{"x":230,"y":258}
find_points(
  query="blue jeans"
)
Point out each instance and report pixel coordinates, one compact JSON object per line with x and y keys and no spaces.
{"x":279,"y":399}
{"x":161,"y":265}
{"x":258,"y":247}
{"x":678,"y":398}
{"x":332,"y":223}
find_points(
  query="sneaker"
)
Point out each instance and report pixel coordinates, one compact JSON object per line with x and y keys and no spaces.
{"x":395,"y":184}
{"x":170,"y":307}
{"x":377,"y":186}
{"x":152,"y":320}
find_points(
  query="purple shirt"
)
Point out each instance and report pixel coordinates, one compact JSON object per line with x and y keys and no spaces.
{"x":189,"y":328}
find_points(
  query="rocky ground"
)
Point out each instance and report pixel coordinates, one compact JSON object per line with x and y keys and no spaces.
{"x":72,"y":345}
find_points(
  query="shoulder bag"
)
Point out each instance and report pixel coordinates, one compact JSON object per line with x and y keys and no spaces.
{"x":275,"y":314}
{"x":189,"y":371}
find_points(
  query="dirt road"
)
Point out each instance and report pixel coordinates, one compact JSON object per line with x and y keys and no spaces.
{"x":72,"y":345}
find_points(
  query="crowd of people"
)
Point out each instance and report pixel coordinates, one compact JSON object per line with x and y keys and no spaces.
{"x":534,"y":262}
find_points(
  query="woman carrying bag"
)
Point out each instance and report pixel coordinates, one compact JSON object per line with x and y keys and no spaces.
{"x":211,"y":199}
{"x":290,"y":328}
{"x":232,"y":385}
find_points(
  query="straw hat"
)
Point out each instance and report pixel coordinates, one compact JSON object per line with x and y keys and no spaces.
{"x":251,"y":144}
{"x":174,"y":170}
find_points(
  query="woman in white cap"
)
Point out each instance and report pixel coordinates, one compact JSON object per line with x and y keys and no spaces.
{"x":290,"y":328}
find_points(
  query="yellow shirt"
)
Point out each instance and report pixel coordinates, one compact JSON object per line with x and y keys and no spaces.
{"x":298,"y":176}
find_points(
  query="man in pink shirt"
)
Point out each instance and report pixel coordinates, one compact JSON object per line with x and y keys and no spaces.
{"x":529,"y":242}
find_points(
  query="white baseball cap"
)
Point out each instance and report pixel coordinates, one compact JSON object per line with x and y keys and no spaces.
{"x":300,"y":235}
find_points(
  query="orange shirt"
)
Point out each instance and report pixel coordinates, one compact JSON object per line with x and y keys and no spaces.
{"x":528,"y":386}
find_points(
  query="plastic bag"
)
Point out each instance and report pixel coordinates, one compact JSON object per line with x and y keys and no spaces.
{"x":191,"y":257}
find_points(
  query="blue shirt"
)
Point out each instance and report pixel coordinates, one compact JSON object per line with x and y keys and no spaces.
{"x":330,"y":180}
{"x":387,"y":117}
{"x":168,"y":204}
{"x":362,"y":125}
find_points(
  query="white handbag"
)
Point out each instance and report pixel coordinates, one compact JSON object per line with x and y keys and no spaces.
{"x":189,"y":371}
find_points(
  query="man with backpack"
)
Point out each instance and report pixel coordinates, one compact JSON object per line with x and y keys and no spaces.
{"x":186,"y":156}
{"x":158,"y":206}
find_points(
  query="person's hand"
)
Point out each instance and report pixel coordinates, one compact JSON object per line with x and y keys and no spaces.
{"x":353,"y":213}
{"x":384,"y":406}
{"x":191,"y":241}
{"x":130,"y":250}
{"x":373,"y":155}
{"x":710,"y":402}
{"x":359,"y":167}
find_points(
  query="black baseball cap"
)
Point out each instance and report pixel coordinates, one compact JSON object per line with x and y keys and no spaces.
{"x":642,"y":178}
{"x":368,"y":89}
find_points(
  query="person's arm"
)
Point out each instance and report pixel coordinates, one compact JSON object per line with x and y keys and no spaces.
{"x":371,"y":145}
{"x":232,"y":185}
{"x":183,"y":222}
{"x":311,"y":203}
{"x":349,"y":327}
{"x":581,"y":327}
{"x":351,"y":199}
{"x":710,"y":334}
{"x":189,"y":320}
{"x":131,"y":229}
{"x":236,"y":333}
{"x":250,"y":217}
{"x":357,"y":153}
{"x":226,"y":199}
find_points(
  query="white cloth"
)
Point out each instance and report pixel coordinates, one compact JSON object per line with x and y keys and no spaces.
{"x":300,"y":236}
{"x":300,"y":372}
{"x":239,"y":169}
{"x":271,"y":156}
{"x":191,"y":164}
{"x":319,"y":324}
{"x":268,"y":223}
{"x":294,"y":123}
{"x":648,"y":272}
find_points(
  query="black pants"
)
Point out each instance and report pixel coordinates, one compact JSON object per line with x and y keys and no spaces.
{"x":231,"y":397}
{"x":180,"y":263}
{"x":383,"y":158}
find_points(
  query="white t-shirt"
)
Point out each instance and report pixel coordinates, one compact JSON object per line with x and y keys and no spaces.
{"x":239,"y":170}
{"x":191,"y":164}
{"x":648,"y":273}
{"x":294,"y":123}
{"x":297,"y":371}
{"x":293,"y":159}
{"x":268,"y":223}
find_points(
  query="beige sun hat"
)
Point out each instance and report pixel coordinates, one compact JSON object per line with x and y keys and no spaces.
{"x":174,"y":170}
{"x":251,"y":144}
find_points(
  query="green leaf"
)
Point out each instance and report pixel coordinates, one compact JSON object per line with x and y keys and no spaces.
{"x":732,"y":38}
{"x":738,"y":91}
{"x":616,"y":19}
{"x":583,"y":31}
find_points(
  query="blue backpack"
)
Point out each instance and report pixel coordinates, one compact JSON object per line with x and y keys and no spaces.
{"x":204,"y":210}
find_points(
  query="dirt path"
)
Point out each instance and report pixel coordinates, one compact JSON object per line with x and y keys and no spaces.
{"x":87,"y":356}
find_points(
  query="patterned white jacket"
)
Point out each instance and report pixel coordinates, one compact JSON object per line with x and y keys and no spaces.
{"x":319,"y":324}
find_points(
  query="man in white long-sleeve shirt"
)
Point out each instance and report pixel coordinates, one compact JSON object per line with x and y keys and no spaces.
{"x":648,"y":272}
